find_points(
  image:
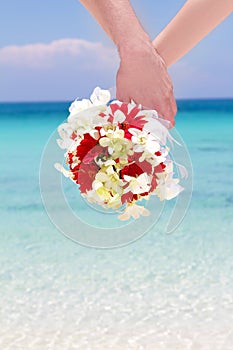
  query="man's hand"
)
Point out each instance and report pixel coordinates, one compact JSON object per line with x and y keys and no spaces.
{"x":143,"y":77}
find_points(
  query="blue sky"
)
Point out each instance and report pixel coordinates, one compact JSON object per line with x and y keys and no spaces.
{"x":54,"y":50}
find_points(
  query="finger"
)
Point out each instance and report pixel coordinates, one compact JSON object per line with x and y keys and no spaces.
{"x":166,"y":108}
{"x":173,"y":101}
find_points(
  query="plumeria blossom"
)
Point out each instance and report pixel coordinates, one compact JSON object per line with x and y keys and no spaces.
{"x":117,"y":154}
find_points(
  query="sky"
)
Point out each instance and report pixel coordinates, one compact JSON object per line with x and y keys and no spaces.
{"x":55,"y":50}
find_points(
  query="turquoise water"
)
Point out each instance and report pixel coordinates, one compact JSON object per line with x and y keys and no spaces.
{"x":161,"y":292}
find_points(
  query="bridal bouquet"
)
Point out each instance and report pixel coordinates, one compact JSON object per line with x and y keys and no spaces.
{"x":117,"y":154}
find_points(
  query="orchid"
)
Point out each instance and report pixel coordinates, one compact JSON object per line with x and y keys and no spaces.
{"x":65,"y":172}
{"x":117,"y":144}
{"x":87,"y":120}
{"x":65,"y":131}
{"x":144,"y":141}
{"x":78,"y":106}
{"x":110,"y":179}
{"x":100,"y":96}
{"x":135,"y":211}
{"x":168,"y":188}
{"x":139,"y":184}
{"x":104,"y":188}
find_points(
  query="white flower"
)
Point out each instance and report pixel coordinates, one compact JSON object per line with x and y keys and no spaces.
{"x":100,"y":97}
{"x":139,"y":184}
{"x":168,"y":188}
{"x":144,"y":141}
{"x":86,"y":121}
{"x":112,"y":136}
{"x":133,"y":210}
{"x":93,"y":197}
{"x":65,"y":131}
{"x":78,"y":106}
{"x":117,"y":144}
{"x":65,"y":172}
{"x":107,"y":188}
{"x":109,"y":179}
{"x":154,"y":159}
{"x":156,"y":128}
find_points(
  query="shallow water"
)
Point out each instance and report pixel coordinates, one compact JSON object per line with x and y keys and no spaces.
{"x":161,"y":292}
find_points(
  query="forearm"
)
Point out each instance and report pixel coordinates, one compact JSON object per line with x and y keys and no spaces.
{"x":194,"y":21}
{"x":118,"y":20}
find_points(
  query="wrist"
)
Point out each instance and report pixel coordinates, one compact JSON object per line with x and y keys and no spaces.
{"x":159,"y":53}
{"x":134,"y":44}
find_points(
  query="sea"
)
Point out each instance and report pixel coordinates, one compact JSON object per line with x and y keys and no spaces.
{"x":163,"y":291}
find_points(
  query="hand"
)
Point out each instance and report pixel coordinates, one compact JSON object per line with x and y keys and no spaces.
{"x":143,"y":77}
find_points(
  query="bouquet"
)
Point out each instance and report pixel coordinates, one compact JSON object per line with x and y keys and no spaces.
{"x":117,"y":154}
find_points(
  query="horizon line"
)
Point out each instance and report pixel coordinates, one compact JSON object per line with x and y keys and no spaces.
{"x":69,"y":101}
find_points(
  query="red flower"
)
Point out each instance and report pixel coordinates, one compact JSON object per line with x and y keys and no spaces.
{"x":128,"y":197}
{"x":85,"y":146}
{"x":131,"y":170}
{"x":131,"y":117}
{"x":84,"y":175}
{"x":94,"y":152}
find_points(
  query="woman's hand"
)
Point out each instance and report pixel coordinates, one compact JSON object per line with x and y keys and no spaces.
{"x":143,"y":77}
{"x":190,"y":25}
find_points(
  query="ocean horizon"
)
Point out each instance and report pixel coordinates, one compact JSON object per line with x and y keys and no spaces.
{"x":162,"y":292}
